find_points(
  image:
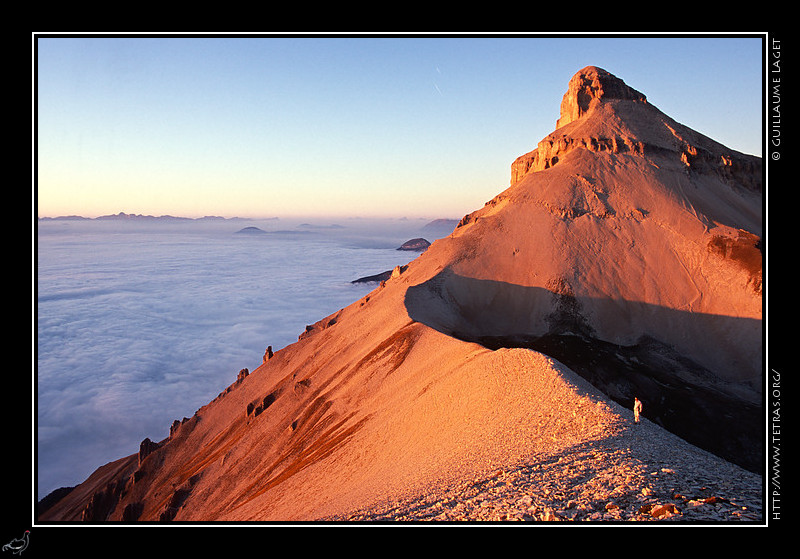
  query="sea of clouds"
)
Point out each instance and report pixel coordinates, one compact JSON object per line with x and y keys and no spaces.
{"x":139,"y":323}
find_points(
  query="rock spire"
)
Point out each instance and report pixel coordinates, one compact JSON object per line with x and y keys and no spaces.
{"x":600,"y":113}
{"x":588,"y":88}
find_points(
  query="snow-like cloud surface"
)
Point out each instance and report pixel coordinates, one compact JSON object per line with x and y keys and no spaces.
{"x":138,"y":328}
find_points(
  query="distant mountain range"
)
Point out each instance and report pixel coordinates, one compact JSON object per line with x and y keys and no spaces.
{"x":437,"y":225}
{"x":122,"y":216}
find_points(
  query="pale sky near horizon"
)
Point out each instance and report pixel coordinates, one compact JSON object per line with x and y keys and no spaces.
{"x":364,"y":126}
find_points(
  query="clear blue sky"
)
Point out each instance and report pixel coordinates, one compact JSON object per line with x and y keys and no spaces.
{"x":261,"y":127}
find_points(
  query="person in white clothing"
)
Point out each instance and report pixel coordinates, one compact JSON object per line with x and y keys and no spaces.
{"x":637,"y":409}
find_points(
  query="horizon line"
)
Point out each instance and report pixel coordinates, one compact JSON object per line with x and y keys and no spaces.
{"x":125,"y":215}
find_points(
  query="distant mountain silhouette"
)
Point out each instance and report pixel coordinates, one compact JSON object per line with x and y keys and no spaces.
{"x":416,"y":245}
{"x":122,"y":216}
{"x":251,"y":231}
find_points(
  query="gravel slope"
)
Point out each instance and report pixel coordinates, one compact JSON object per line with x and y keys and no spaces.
{"x":638,"y":473}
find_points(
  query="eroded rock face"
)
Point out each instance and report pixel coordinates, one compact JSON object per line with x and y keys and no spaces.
{"x":586,"y":91}
{"x":552,"y":148}
{"x":629,"y":125}
{"x":103,"y":501}
{"x":146,"y":448}
{"x":588,"y":88}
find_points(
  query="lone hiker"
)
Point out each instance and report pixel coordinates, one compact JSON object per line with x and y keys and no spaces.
{"x":637,"y":409}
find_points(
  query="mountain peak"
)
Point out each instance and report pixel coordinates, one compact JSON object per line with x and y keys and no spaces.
{"x":589,"y":87}
{"x":601,"y":113}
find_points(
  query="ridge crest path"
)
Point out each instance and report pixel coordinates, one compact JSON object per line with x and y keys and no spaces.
{"x":621,"y":472}
{"x":632,"y":475}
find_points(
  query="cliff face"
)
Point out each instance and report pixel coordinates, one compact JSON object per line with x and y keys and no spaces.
{"x":628,"y":247}
{"x":590,"y":87}
{"x":627,"y":124}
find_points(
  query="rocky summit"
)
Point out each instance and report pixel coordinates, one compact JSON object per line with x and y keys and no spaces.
{"x":493,"y":377}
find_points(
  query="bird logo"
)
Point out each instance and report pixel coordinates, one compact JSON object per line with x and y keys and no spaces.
{"x":18,"y":545}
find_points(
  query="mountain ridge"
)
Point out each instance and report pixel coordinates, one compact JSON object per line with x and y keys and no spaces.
{"x":122,"y":216}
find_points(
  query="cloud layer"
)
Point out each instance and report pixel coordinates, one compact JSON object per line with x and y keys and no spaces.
{"x":136,"y":328}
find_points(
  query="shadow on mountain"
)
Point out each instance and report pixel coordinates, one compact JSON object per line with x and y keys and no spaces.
{"x":683,"y":396}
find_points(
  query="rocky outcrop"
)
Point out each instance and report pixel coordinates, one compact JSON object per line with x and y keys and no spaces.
{"x":176,"y":500}
{"x":103,"y":502}
{"x":552,"y":148}
{"x":240,"y":377}
{"x":255,"y":408}
{"x":416,"y":245}
{"x":631,"y":126}
{"x":146,"y":447}
{"x":173,"y":429}
{"x":132,"y":511}
{"x":590,"y":87}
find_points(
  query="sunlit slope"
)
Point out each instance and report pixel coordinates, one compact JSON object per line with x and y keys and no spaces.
{"x":338,"y":424}
{"x":608,"y":241}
